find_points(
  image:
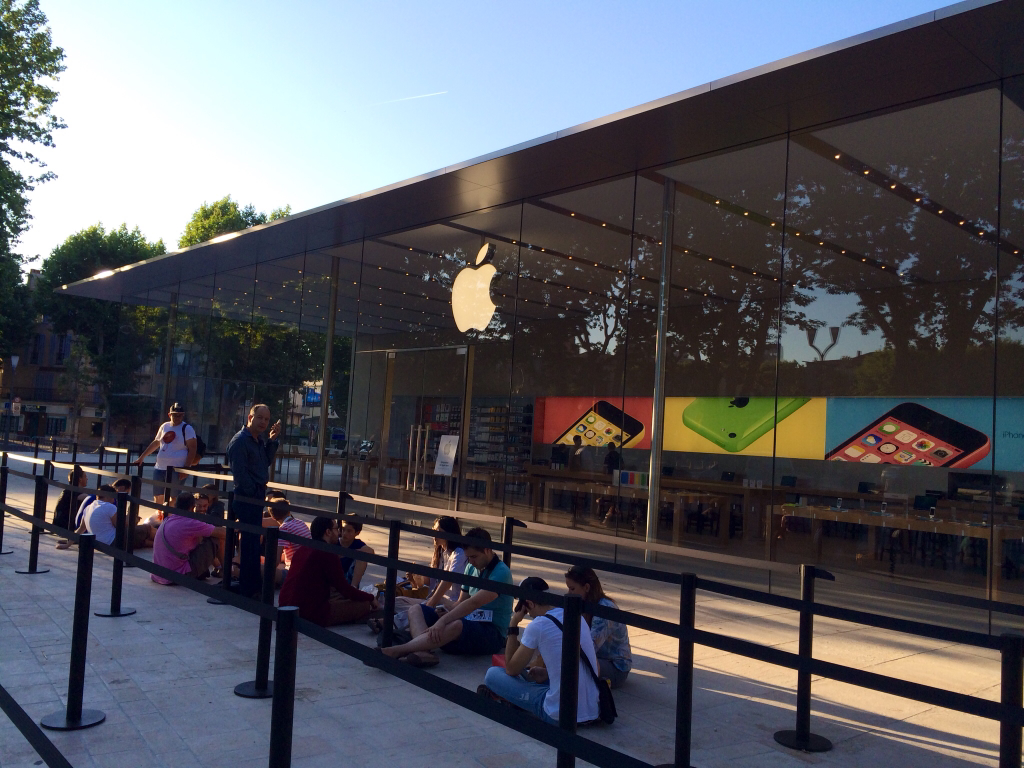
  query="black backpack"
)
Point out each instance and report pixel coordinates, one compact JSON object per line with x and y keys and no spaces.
{"x":200,"y":444}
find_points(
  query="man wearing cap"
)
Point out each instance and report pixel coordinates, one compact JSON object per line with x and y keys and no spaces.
{"x":175,"y":443}
{"x":544,"y":635}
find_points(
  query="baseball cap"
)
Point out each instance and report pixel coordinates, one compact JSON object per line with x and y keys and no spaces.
{"x":176,"y":408}
{"x":535,"y":583}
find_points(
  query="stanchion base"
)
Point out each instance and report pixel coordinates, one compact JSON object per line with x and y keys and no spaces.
{"x":109,"y":615}
{"x":250,"y":691}
{"x":58,"y":721}
{"x":813,"y":742}
{"x":215,"y":601}
{"x":31,"y":573}
{"x":6,"y":552}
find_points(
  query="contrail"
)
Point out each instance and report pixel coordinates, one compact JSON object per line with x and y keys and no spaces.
{"x":409,"y":98}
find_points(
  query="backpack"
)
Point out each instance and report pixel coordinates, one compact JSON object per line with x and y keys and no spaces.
{"x":200,"y":444}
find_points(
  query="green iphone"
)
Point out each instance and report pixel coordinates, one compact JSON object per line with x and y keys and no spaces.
{"x":733,"y":423}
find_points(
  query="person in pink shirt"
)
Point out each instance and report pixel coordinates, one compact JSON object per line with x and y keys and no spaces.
{"x":185,"y":545}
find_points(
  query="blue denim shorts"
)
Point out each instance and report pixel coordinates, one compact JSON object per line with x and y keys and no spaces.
{"x":478,"y":638}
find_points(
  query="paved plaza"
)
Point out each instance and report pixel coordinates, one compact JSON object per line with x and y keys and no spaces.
{"x":165,"y":675}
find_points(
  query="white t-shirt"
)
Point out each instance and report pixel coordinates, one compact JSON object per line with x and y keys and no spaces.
{"x":173,"y":451}
{"x":543,"y":635}
{"x":454,"y":562}
{"x":98,"y":520}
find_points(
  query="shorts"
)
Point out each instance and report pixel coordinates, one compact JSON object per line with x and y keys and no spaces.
{"x":160,"y":476}
{"x":478,"y":638}
{"x":202,"y":558}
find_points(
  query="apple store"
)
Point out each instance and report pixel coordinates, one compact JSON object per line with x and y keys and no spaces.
{"x":778,"y":318}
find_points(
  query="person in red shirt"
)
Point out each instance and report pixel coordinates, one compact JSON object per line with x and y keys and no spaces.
{"x":317,"y":586}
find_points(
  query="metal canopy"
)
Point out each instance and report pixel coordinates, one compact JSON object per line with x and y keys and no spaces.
{"x":960,"y":46}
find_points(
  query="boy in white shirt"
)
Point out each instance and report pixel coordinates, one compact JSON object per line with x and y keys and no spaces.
{"x":544,"y":636}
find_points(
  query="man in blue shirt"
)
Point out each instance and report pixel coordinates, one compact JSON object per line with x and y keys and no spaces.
{"x":476,"y":626}
{"x":250,"y":457}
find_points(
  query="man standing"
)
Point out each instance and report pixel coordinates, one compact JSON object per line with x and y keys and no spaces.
{"x":250,"y":457}
{"x":175,"y":443}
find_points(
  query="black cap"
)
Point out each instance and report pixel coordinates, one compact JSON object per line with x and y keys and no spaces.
{"x":535,"y":583}
{"x":176,"y":408}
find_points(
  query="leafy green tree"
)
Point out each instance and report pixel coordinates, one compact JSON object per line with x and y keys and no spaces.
{"x":119,"y":338}
{"x":29,"y":62}
{"x":222,"y":217}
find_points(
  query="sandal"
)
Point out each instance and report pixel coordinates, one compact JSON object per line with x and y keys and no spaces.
{"x":421,"y":659}
{"x":63,"y":544}
{"x":376,"y":625}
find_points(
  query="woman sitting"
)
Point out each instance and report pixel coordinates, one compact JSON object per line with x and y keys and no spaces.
{"x":186,"y":545}
{"x":68,"y":503}
{"x":611,"y":638}
{"x":447,"y":556}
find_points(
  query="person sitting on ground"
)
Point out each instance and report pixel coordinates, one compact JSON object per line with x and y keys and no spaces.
{"x":354,"y":569}
{"x":611,"y":638}
{"x":541,"y":635}
{"x":69,"y":502}
{"x":316,"y":583}
{"x":99,"y":515}
{"x":216,"y":508}
{"x":186,"y":545}
{"x":280,"y":512}
{"x":476,"y":624}
{"x":144,"y":533}
{"x":448,"y":555}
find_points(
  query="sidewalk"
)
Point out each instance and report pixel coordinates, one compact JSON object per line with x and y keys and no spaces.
{"x":164,"y":677}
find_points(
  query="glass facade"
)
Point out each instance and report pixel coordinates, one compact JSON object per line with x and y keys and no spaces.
{"x":841,"y":312}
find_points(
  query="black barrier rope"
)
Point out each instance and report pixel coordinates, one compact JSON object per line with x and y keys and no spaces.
{"x":1008,"y":712}
{"x":33,"y":733}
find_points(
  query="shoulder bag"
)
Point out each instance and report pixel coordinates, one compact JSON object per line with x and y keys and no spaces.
{"x":605,"y":703}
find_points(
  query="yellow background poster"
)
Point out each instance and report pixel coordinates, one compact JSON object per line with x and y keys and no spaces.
{"x":801,"y":435}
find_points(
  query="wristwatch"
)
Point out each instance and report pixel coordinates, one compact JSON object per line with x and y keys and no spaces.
{"x":513,"y":631}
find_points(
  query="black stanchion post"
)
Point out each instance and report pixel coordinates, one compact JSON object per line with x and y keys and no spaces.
{"x":3,"y":500}
{"x":170,"y":477}
{"x":262,"y":687}
{"x":568,"y":702}
{"x":229,"y":548}
{"x":74,"y":717}
{"x":35,"y":455}
{"x":390,"y":582}
{"x":342,"y":499}
{"x":1012,"y":696}
{"x":53,"y":449}
{"x":802,"y":738}
{"x":684,"y":670}
{"x":74,"y":452}
{"x":39,"y":512}
{"x":282,"y":711}
{"x":120,"y":536}
{"x":101,"y":454}
{"x":133,"y":516}
{"x":506,"y":538}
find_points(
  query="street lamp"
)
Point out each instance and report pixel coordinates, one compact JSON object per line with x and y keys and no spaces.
{"x":9,"y":411}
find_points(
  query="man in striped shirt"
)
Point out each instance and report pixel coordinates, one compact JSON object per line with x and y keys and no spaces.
{"x":280,"y":510}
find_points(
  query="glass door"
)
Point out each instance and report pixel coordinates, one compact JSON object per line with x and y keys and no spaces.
{"x":423,"y":425}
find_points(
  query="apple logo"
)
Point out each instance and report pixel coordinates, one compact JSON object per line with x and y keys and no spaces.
{"x":471,"y":292}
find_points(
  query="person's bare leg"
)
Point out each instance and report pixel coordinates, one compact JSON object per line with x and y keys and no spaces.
{"x":359,"y":570}
{"x":424,"y":643}
{"x":417,"y":624}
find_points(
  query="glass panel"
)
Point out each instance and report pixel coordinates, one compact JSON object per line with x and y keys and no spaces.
{"x":887,"y":345}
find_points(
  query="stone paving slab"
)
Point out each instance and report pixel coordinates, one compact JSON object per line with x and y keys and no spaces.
{"x":165,"y":676}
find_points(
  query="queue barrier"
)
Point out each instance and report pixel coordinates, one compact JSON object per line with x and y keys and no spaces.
{"x":1008,"y":711}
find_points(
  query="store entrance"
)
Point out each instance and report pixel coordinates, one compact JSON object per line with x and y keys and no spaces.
{"x":424,"y":426}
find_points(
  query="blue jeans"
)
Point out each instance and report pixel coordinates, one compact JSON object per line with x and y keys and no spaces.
{"x":519,"y":691}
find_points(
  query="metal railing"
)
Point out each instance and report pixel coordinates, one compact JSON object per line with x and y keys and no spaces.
{"x":1008,"y":711}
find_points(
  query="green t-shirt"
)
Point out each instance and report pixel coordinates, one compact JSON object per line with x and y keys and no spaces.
{"x":501,"y":606}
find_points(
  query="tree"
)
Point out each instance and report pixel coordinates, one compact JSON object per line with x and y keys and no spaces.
{"x":119,"y":338}
{"x":222,"y":217}
{"x":28,"y":61}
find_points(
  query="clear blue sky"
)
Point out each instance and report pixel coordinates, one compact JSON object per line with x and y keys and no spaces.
{"x":172,"y":104}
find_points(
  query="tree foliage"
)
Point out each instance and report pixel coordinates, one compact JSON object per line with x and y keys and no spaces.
{"x":119,"y":339}
{"x":222,"y":217}
{"x":28,"y":62}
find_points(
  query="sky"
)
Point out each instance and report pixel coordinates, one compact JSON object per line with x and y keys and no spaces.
{"x":169,"y":105}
